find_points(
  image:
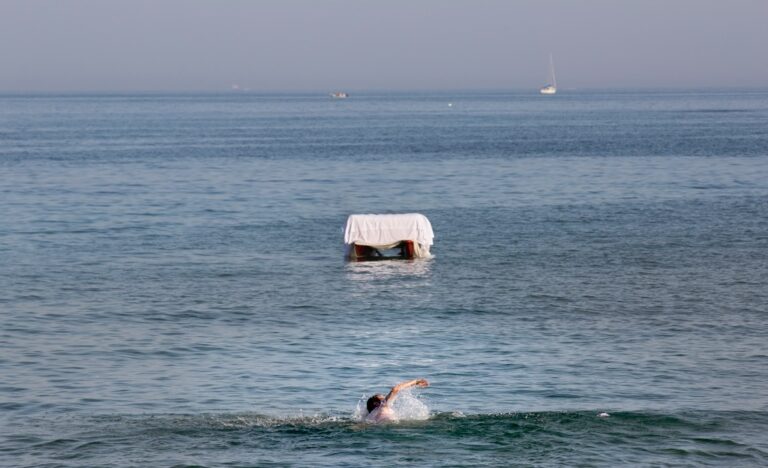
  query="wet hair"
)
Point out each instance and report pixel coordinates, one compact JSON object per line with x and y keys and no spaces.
{"x":374,"y":402}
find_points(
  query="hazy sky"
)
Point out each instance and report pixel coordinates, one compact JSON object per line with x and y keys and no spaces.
{"x":270,"y":45}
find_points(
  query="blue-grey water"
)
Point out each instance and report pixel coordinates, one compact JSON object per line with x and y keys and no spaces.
{"x":173,"y":292}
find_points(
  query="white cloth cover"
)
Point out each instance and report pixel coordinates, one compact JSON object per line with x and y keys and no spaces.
{"x":386,"y":229}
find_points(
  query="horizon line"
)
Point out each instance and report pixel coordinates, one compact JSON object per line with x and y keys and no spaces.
{"x":352,"y":91}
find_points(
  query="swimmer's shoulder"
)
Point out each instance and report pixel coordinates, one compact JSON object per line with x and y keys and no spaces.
{"x":381,"y":414}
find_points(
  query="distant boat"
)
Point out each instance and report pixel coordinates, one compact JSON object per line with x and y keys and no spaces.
{"x":550,"y":88}
{"x":339,"y":95}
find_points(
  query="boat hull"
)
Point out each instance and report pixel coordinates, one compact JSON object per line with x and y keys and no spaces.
{"x":548,"y":90}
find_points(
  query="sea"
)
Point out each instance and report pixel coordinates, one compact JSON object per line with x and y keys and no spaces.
{"x":174,"y":293}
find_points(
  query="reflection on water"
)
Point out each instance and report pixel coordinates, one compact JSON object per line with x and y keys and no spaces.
{"x":388,"y":269}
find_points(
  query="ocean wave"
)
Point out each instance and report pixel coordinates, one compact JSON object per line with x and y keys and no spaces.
{"x":549,"y":438}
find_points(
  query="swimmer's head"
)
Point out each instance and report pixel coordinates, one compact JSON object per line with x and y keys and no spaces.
{"x":374,"y":402}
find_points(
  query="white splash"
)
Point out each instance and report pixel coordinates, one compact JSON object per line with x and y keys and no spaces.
{"x":407,"y":407}
{"x":360,"y":410}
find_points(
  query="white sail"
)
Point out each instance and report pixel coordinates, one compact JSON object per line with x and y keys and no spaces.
{"x":550,"y":88}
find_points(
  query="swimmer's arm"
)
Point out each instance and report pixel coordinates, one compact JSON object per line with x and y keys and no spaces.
{"x":403,"y":385}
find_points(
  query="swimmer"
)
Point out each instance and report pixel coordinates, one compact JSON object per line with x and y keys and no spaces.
{"x":379,"y":406}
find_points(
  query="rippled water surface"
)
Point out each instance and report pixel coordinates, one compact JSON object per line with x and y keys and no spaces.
{"x":173,"y":292}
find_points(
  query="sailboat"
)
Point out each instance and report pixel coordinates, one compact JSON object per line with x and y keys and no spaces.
{"x":550,"y":88}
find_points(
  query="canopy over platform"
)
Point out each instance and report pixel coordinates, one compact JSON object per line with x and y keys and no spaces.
{"x":384,"y":231}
